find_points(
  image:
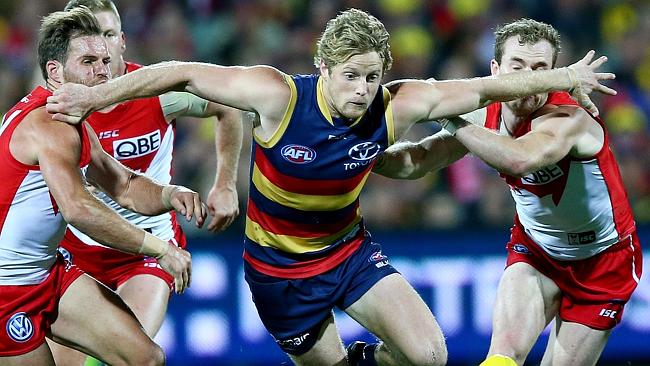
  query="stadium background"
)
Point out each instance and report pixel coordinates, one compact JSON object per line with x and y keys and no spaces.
{"x":445,"y":232}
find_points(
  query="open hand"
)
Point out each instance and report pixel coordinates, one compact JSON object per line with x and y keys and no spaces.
{"x":585,"y":80}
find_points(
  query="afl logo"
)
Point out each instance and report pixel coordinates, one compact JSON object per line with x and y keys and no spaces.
{"x":298,"y":154}
{"x":20,"y":327}
{"x":364,"y":151}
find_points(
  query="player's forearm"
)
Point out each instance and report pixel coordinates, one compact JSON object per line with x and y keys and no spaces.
{"x":398,"y":162}
{"x":145,"y":82}
{"x":515,"y":85}
{"x":228,"y":143}
{"x":142,"y":195}
{"x":104,"y":225}
{"x":407,"y":160}
{"x":503,"y":153}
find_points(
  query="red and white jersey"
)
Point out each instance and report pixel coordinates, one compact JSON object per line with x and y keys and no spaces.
{"x":575,"y":208}
{"x":31,"y":225}
{"x":137,"y":134}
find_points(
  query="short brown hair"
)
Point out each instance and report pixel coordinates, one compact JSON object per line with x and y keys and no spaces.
{"x":57,"y":29}
{"x":529,"y":32}
{"x":353,"y":32}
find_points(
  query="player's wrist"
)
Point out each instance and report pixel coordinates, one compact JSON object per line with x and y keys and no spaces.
{"x":166,"y":196}
{"x":451,"y":125}
{"x":574,"y":85}
{"x":152,"y":246}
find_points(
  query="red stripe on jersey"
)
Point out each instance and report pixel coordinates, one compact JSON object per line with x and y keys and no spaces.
{"x":307,"y":186}
{"x":308,"y":268}
{"x":286,"y":227}
{"x":621,"y":210}
{"x":8,"y":192}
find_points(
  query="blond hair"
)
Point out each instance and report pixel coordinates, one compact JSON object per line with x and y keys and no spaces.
{"x":352,"y":32}
{"x":95,"y":6}
{"x":529,"y":32}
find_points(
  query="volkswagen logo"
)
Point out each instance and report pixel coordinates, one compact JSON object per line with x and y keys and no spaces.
{"x":20,"y":327}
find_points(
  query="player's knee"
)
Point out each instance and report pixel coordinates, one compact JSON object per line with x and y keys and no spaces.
{"x":426,"y":354}
{"x":152,"y":355}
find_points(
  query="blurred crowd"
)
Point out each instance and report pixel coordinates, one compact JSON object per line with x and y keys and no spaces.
{"x":437,"y":38}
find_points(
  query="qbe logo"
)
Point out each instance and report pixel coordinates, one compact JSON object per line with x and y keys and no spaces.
{"x":136,"y":146}
{"x":20,"y":327}
{"x":298,"y":154}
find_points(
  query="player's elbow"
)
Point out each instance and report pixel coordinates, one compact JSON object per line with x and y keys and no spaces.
{"x":519,"y":166}
{"x":76,"y":212}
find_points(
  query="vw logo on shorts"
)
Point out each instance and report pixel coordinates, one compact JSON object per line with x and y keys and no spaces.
{"x":364,"y":151}
{"x":521,"y":249}
{"x":66,"y":254}
{"x":20,"y":327}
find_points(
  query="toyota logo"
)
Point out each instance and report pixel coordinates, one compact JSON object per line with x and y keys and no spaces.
{"x":364,"y":151}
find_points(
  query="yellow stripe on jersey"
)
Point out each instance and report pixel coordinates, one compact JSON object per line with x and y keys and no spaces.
{"x":390,"y":124}
{"x":304,"y":202}
{"x":275,"y":137}
{"x":295,"y":244}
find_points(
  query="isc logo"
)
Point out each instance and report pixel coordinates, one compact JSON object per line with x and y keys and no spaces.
{"x":298,"y":154}
{"x":108,"y":134}
{"x":608,"y":313}
{"x":136,"y":146}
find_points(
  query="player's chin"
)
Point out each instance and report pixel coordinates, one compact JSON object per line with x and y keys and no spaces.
{"x":355,"y":111}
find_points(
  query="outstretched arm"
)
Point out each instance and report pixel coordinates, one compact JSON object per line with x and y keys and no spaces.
{"x":261,"y":89}
{"x":408,"y":160}
{"x":418,"y":101}
{"x":222,"y":201}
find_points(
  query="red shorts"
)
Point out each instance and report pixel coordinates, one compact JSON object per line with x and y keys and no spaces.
{"x":27,"y":311}
{"x":594,"y":290}
{"x":113,"y":267}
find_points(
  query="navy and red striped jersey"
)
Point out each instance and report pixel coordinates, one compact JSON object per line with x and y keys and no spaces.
{"x":303,"y":214}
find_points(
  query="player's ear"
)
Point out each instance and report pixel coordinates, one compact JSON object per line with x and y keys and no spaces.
{"x":324,"y":70}
{"x":123,"y":45}
{"x":54,"y":71}
{"x":494,"y":67}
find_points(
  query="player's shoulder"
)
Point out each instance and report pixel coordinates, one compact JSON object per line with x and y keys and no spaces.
{"x":562,"y":110}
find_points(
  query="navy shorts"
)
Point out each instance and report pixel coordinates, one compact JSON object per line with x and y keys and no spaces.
{"x":293,"y":310}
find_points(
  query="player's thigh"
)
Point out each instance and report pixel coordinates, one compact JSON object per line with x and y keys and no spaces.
{"x":396,"y":313}
{"x":147,"y":296}
{"x":94,"y":320}
{"x":66,"y":356}
{"x":575,"y":344}
{"x":526,"y":302}
{"x":328,"y":349}
{"x":40,"y":356}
